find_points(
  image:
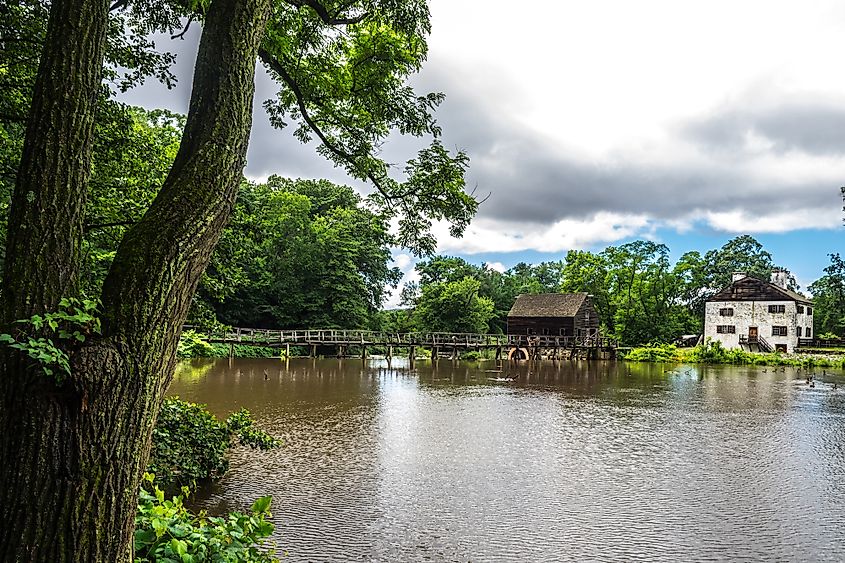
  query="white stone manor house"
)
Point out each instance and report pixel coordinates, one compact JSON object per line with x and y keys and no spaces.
{"x":758,"y":316}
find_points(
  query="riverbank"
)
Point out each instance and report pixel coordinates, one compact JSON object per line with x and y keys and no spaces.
{"x":713,"y":353}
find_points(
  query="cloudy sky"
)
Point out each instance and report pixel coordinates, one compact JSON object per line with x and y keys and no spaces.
{"x":597,"y":123}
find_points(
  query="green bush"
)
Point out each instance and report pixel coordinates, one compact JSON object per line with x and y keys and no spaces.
{"x":471,"y":356}
{"x":167,"y":532}
{"x":712,"y":352}
{"x":654,"y":353}
{"x":827,"y":336}
{"x":191,"y":345}
{"x":190,"y":444}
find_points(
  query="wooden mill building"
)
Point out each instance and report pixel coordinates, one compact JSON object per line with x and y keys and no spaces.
{"x":556,"y":325}
{"x":553,"y":314}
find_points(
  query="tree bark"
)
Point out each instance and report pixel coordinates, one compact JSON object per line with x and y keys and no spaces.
{"x":71,"y":455}
{"x":45,"y":223}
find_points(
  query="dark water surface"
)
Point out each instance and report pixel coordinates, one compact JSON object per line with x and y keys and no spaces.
{"x":573,"y":462}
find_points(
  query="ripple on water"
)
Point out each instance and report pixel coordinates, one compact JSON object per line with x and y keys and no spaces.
{"x":569,"y":464}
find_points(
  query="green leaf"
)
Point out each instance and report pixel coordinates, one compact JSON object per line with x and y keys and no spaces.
{"x":262,"y":505}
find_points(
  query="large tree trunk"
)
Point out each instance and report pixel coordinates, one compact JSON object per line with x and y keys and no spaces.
{"x":45,"y":224}
{"x":71,"y":455}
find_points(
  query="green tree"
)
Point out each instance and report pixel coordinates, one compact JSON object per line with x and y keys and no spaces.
{"x":79,"y":446}
{"x":587,"y":272}
{"x":300,"y":254}
{"x":829,"y":298}
{"x":453,"y":306}
{"x":741,"y":254}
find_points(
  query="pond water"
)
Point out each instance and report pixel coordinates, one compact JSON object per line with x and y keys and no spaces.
{"x":573,"y":461}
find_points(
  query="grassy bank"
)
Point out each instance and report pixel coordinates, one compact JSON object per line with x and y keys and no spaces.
{"x":714,"y":353}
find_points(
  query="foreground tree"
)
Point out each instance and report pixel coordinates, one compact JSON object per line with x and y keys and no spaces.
{"x":73,"y":444}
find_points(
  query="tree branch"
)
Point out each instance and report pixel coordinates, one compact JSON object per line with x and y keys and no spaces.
{"x":277,"y":67}
{"x":327,"y":18}
{"x":181,"y":35}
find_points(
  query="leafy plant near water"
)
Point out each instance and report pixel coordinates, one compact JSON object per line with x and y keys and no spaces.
{"x":654,"y":353}
{"x":713,"y":352}
{"x":167,"y":532}
{"x":190,"y":444}
{"x":193,"y":345}
{"x":46,"y":339}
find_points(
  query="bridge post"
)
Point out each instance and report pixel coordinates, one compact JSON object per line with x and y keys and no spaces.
{"x":412,"y":355}
{"x":363,"y":351}
{"x":287,"y":350}
{"x":435,"y":353}
{"x":313,"y":351}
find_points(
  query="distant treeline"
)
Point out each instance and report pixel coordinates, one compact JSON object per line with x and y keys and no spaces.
{"x":640,"y":295}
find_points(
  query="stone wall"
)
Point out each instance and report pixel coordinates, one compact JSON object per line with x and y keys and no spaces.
{"x":756,"y":313}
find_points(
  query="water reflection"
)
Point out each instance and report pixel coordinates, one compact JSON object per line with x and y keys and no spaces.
{"x":567,"y":461}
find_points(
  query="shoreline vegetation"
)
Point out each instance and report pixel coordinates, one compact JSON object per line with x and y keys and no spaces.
{"x":714,"y":353}
{"x":192,"y":345}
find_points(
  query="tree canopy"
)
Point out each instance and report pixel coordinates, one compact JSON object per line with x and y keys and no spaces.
{"x":640,"y":295}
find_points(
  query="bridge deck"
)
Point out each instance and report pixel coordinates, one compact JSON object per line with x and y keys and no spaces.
{"x":338,"y":337}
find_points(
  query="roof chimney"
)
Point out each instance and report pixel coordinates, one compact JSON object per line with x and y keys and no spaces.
{"x":779,"y":277}
{"x":738,"y":276}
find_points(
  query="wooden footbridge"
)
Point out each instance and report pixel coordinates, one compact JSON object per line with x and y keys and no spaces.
{"x":512,"y":347}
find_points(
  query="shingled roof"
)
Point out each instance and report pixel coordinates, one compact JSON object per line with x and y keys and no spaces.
{"x":547,"y":305}
{"x":761,"y":290}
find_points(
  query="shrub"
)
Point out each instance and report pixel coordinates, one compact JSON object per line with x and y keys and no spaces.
{"x":191,"y":345}
{"x":471,"y":356}
{"x":654,"y":353}
{"x":827,"y":336}
{"x":165,"y":531}
{"x":712,"y":352}
{"x":190,"y":444}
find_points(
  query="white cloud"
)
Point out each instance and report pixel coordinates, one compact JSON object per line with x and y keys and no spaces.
{"x":497,"y":266}
{"x":485,"y":235}
{"x":403,"y":262}
{"x":781,"y":222}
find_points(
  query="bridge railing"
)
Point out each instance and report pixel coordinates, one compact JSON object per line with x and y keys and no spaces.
{"x":430,"y":339}
{"x":548,"y":341}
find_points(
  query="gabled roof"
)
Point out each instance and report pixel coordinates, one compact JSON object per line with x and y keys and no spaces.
{"x":547,"y":305}
{"x":753,"y":289}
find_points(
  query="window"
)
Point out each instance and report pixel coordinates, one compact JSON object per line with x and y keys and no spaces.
{"x":544,"y":332}
{"x":809,"y":332}
{"x":809,"y":311}
{"x":726,"y":312}
{"x":798,"y":332}
{"x":777,"y":308}
{"x":725,"y":329}
{"x":779,"y":331}
{"x":530,"y":331}
{"x":800,"y":309}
